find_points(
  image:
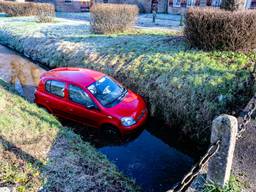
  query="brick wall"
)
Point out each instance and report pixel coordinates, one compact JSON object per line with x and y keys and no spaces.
{"x":71,"y":5}
{"x":144,"y":5}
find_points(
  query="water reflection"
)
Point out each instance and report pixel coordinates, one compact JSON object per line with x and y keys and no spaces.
{"x":20,"y":72}
{"x":98,"y":138}
{"x":154,"y":163}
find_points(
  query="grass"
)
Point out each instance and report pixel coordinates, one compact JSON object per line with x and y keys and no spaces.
{"x":185,"y":87}
{"x":233,"y":185}
{"x":37,"y":152}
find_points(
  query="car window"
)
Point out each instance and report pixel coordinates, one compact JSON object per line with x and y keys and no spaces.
{"x":78,"y":95}
{"x":55,"y":87}
{"x":107,"y":91}
{"x":48,"y":86}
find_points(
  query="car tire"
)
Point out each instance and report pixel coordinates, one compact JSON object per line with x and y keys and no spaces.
{"x":110,"y":132}
{"x":44,"y":108}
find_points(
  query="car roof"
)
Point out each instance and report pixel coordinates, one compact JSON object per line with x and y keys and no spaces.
{"x":81,"y":76}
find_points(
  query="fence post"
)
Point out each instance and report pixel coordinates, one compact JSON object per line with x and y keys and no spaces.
{"x":224,"y":127}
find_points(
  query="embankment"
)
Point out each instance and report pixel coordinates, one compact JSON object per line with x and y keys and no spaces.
{"x":37,"y":153}
{"x":183,"y":86}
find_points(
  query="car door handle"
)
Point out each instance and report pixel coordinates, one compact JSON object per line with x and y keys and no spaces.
{"x":71,"y":110}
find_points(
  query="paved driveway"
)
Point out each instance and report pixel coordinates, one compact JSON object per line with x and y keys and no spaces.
{"x":163,"y":21}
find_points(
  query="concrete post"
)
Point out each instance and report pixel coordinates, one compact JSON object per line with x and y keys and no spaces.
{"x":225,"y":128}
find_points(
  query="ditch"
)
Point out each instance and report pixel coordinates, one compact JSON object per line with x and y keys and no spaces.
{"x":154,"y":157}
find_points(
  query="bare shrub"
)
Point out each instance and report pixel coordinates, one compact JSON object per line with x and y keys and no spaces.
{"x":44,"y":17}
{"x":219,"y":29}
{"x":27,"y":9}
{"x":112,"y":18}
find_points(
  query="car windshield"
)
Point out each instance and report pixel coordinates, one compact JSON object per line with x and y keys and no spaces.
{"x":107,"y":91}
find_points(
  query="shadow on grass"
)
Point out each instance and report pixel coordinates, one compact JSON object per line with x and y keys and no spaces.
{"x":8,"y":146}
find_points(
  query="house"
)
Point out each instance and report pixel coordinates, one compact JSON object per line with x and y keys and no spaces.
{"x":164,"y":6}
{"x":179,"y":5}
{"x":144,"y":5}
{"x":83,"y":5}
{"x":72,"y":5}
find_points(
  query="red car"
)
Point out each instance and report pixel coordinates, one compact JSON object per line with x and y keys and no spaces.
{"x":91,"y":98}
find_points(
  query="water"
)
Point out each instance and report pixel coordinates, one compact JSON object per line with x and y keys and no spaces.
{"x":152,"y":163}
{"x":149,"y":156}
{"x":20,"y":72}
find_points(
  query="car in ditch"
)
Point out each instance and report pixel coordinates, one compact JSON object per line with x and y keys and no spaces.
{"x":91,"y":98}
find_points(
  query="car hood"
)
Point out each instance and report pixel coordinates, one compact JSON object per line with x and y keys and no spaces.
{"x":132,"y":105}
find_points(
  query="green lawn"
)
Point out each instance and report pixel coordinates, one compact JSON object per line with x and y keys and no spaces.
{"x":185,"y":87}
{"x":233,"y":185}
{"x":36,"y":152}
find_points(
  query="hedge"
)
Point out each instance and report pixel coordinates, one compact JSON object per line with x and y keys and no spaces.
{"x":112,"y":18}
{"x":26,"y":9}
{"x":210,"y":29}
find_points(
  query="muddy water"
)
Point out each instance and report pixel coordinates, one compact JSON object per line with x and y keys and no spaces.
{"x":149,"y":156}
{"x":20,"y":72}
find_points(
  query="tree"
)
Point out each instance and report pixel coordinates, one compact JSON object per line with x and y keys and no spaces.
{"x":232,"y":5}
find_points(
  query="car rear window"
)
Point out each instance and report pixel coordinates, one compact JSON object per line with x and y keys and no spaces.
{"x":55,"y":87}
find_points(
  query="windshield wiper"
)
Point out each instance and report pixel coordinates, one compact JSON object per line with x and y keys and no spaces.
{"x":120,"y":97}
{"x":122,"y":94}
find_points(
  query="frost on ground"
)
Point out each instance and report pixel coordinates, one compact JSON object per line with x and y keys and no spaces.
{"x":163,"y":21}
{"x":182,"y":85}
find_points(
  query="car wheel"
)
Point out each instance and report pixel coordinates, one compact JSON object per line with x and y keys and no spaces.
{"x":110,"y":132}
{"x":44,"y":108}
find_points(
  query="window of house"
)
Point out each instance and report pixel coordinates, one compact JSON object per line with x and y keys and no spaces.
{"x":216,"y":3}
{"x":78,"y":95}
{"x":176,"y":3}
{"x":190,"y":3}
{"x":55,"y":87}
{"x":252,"y":4}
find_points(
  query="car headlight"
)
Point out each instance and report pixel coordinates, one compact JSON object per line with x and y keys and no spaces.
{"x":127,"y":121}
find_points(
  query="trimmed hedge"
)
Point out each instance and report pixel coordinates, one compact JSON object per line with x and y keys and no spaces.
{"x":27,"y":9}
{"x":211,"y":29}
{"x":112,"y":18}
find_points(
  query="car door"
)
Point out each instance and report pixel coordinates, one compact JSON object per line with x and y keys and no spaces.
{"x":82,"y":108}
{"x":55,"y":99}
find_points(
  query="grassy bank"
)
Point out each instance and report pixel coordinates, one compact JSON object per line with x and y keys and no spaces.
{"x":36,"y":152}
{"x":234,"y":185}
{"x":185,"y":87}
